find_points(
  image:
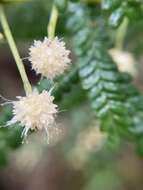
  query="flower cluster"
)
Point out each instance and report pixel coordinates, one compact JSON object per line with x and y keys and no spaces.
{"x":37,"y":111}
{"x":49,"y":57}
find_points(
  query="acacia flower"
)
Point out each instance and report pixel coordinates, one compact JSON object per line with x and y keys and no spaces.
{"x":49,"y":57}
{"x":35,"y":111}
{"x":124,"y":60}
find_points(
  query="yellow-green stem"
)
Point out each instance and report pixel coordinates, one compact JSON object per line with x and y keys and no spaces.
{"x":14,"y":50}
{"x":121,"y":33}
{"x":53,"y":22}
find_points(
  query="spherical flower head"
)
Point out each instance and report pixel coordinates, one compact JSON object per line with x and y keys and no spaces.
{"x":35,"y":111}
{"x":49,"y":57}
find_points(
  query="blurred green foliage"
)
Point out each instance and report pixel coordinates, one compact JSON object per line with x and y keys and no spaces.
{"x":12,"y":1}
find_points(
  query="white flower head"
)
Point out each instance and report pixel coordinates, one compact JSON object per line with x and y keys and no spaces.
{"x":49,"y":57}
{"x":35,"y":111}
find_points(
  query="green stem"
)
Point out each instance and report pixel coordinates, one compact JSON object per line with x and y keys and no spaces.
{"x":14,"y":50}
{"x":53,"y":22}
{"x":121,"y":33}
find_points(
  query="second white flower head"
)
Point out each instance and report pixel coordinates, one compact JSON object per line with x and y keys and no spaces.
{"x":49,"y":57}
{"x":35,"y":111}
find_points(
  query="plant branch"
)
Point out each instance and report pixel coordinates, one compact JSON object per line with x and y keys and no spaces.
{"x":14,"y":50}
{"x":53,"y":22}
{"x":121,"y":33}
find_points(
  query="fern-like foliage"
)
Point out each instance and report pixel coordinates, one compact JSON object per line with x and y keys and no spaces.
{"x":114,"y":99}
{"x":118,"y":9}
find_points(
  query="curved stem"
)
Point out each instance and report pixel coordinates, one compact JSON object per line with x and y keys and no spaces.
{"x":52,"y":22}
{"x":121,"y":33}
{"x":14,"y":50}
